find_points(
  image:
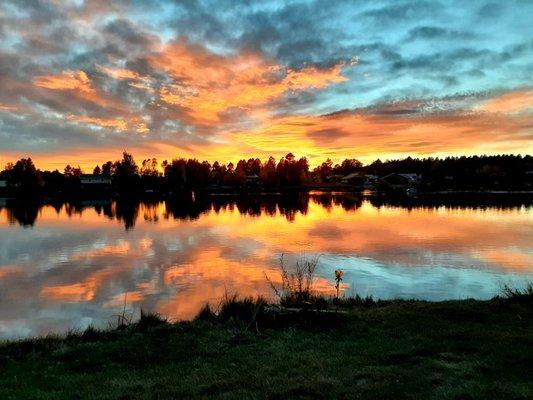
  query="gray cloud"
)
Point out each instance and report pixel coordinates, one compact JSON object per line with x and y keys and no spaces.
{"x":418,"y":49}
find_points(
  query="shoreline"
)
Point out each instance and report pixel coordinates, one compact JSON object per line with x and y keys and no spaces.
{"x":275,"y":191}
{"x":395,"y":349}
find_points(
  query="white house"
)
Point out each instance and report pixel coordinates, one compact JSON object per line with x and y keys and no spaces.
{"x":94,"y":180}
{"x":3,"y":183}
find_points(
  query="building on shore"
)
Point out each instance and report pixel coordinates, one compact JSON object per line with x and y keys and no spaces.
{"x":3,"y":188}
{"x":90,"y":182}
{"x":253,"y":180}
{"x":400,"y":183}
{"x":360,"y":180}
{"x":354,"y":179}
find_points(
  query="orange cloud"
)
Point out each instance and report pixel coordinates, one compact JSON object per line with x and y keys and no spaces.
{"x":140,"y":82}
{"x":141,"y":85}
{"x":117,"y":124}
{"x":510,"y":102}
{"x":77,"y":83}
{"x":119,"y":73}
{"x":8,"y":107}
{"x":67,"y":80}
{"x":207,"y":85}
{"x":71,"y":293}
{"x":369,"y":135}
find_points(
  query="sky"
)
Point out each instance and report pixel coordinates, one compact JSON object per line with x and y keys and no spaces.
{"x":82,"y":81}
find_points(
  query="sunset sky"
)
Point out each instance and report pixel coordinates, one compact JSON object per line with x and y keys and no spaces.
{"x":81,"y":81}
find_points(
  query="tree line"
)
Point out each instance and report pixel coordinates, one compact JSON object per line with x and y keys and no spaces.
{"x":180,"y":174}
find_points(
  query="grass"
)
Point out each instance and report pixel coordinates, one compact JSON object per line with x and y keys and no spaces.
{"x":518,"y":295}
{"x":247,"y":350}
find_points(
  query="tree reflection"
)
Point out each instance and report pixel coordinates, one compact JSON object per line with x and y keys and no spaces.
{"x":190,"y":206}
{"x":23,"y":213}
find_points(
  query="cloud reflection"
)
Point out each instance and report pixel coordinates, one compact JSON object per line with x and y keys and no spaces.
{"x":72,"y":264}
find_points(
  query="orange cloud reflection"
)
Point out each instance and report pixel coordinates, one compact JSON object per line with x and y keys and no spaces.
{"x":173,"y":263}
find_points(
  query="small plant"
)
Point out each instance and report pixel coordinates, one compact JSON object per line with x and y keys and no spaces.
{"x":338,"y":278}
{"x":296,"y":280}
{"x":124,"y":319}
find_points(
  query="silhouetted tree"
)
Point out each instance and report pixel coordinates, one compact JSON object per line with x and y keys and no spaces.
{"x":323,"y":171}
{"x":126,"y":173}
{"x":23,"y":175}
{"x":149,"y":167}
{"x":72,"y":172}
{"x":348,"y":166}
{"x":107,"y":168}
{"x":291,"y":172}
{"x":268,"y":173}
{"x":240,"y":173}
{"x":176,"y":174}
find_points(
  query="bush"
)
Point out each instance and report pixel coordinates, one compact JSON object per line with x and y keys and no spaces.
{"x":150,"y":320}
{"x":246,"y":309}
{"x":296,"y":281}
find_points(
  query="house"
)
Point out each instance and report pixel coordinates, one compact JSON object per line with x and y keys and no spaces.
{"x":3,"y":188}
{"x":253,"y":180}
{"x":371,"y":181}
{"x":357,"y":179}
{"x":89,"y":181}
{"x":529,"y":178}
{"x":405,"y":183}
{"x":354,"y":179}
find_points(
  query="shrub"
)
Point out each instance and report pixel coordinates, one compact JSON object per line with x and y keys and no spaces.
{"x":150,"y":320}
{"x":296,"y":281}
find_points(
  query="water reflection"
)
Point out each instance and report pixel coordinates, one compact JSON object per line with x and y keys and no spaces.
{"x":64,"y":265}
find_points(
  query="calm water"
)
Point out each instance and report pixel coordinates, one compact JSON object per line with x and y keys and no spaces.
{"x":67,"y":266}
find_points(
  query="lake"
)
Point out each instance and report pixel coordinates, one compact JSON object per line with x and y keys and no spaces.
{"x":71,"y":265}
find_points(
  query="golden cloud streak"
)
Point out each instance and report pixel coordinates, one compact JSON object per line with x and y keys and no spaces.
{"x":207,"y":85}
{"x":67,"y":80}
{"x":117,"y":124}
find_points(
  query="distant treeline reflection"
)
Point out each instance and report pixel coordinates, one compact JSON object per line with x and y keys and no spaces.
{"x":191,"y":206}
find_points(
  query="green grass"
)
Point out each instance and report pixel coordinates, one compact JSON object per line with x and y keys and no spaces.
{"x":384,"y":350}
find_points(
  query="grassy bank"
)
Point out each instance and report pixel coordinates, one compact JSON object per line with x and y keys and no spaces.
{"x":402,"y":349}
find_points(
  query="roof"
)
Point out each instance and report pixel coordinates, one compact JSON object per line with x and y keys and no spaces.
{"x":352,"y":175}
{"x":412,"y":177}
{"x":89,"y":178}
{"x":409,"y":177}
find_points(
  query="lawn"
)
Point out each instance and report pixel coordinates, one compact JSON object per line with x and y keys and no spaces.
{"x":392,"y":350}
